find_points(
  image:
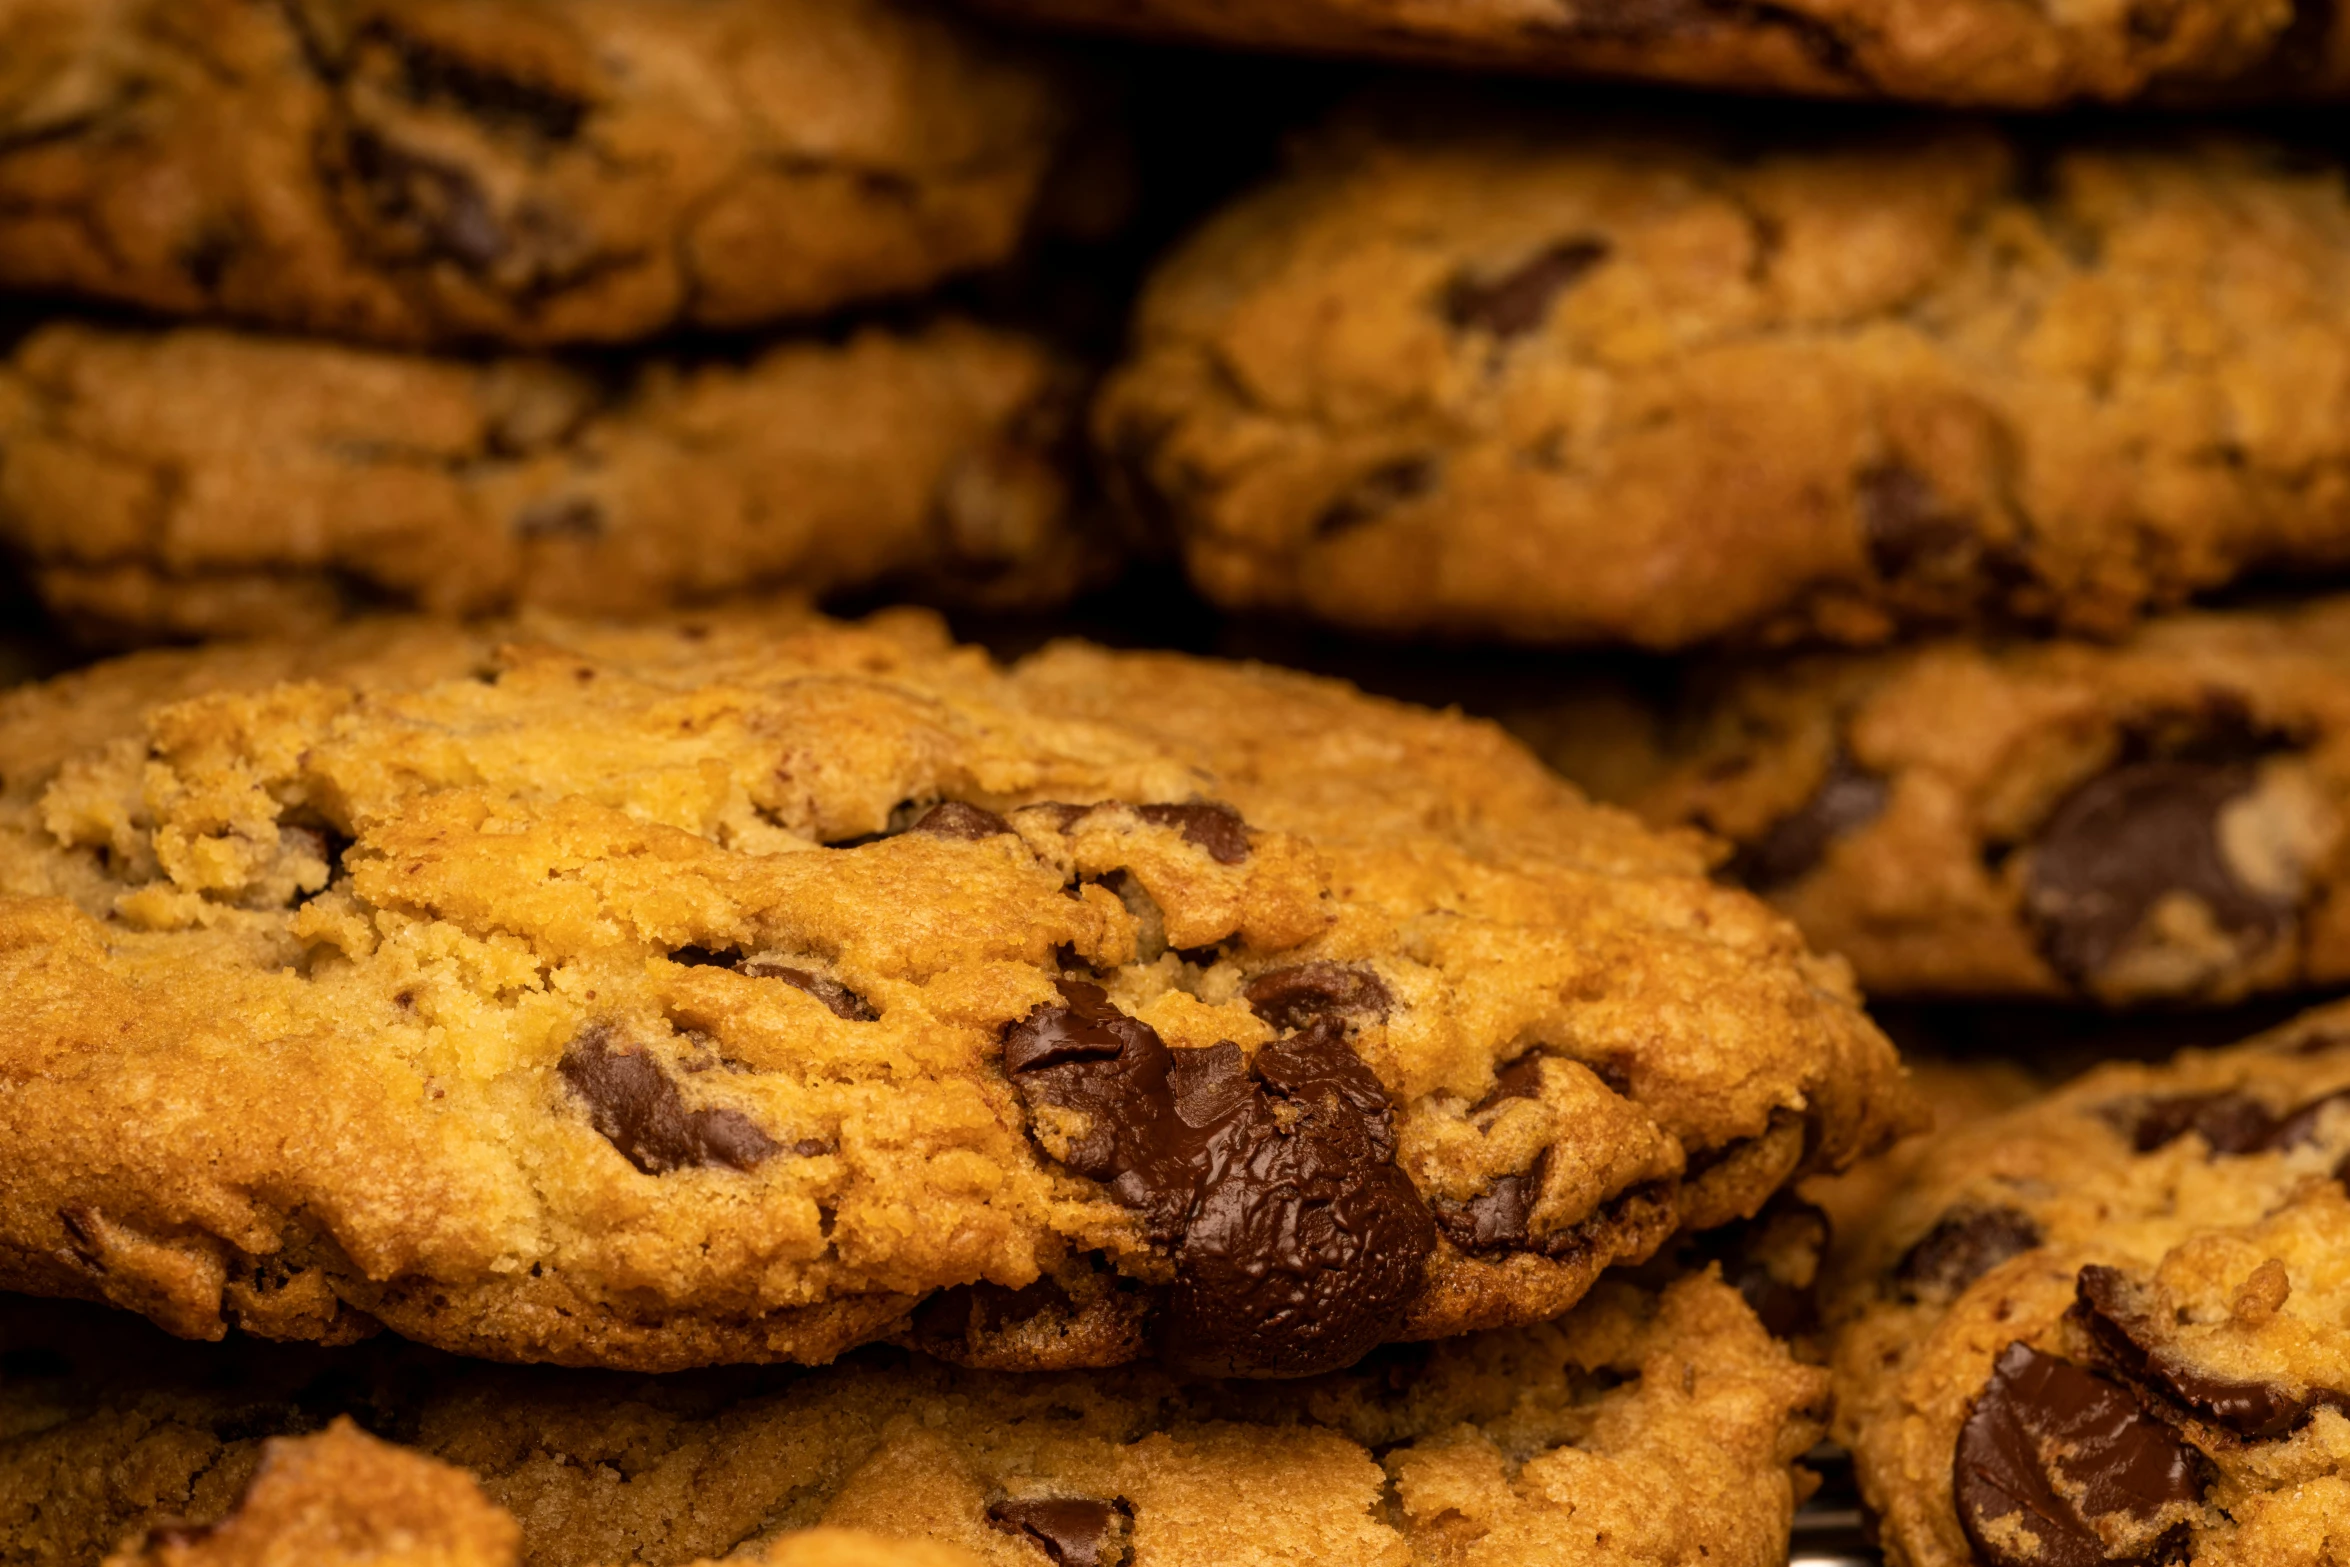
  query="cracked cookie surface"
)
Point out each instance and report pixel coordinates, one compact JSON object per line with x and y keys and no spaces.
{"x":747,"y":988}
{"x":1558,"y":380}
{"x":2108,"y":1326}
{"x":524,"y":171}
{"x":1647,"y":1428}
{"x":199,"y":483}
{"x":2160,"y":818}
{"x":1966,"y":53}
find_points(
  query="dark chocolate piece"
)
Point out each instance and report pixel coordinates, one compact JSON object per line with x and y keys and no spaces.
{"x":1963,"y":1245}
{"x":843,"y":1002}
{"x":1210,"y":824}
{"x":1294,"y":997}
{"x":1519,"y":300}
{"x":1903,"y":522}
{"x":1376,"y":494}
{"x":2114,"y":1309}
{"x":1847,"y":798}
{"x":959,"y":820}
{"x":2068,"y":1458}
{"x":637,"y":1108}
{"x":1074,"y":1531}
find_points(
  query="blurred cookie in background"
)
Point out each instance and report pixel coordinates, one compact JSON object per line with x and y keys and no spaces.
{"x":520,"y":172}
{"x":1971,"y":52}
{"x":2161,"y":818}
{"x":199,"y":482}
{"x":1664,"y":380}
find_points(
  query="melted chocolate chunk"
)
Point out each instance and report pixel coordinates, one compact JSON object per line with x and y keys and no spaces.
{"x":1518,"y":301}
{"x":2299,"y":1127}
{"x":1209,"y":824}
{"x":1496,"y":1218}
{"x":1297,"y":1242}
{"x":958,"y":820}
{"x":1518,"y":1079}
{"x":1846,"y":799}
{"x":1075,"y":1531}
{"x":1963,"y":1245}
{"x":426,"y":207}
{"x":1745,"y":1251}
{"x":2125,"y":840}
{"x":843,"y":1002}
{"x":1376,"y":494}
{"x":2068,"y":1457}
{"x":639,"y":1111}
{"x":1903,"y":521}
{"x":1294,"y":997}
{"x":2114,"y":1310}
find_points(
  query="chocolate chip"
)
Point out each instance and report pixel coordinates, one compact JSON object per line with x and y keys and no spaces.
{"x":2057,"y":1466}
{"x":1903,"y":522}
{"x":2125,"y":840}
{"x":1963,"y":1245}
{"x":1519,"y":300}
{"x":1518,"y":1079}
{"x":1496,"y":1218}
{"x":703,"y":957}
{"x":1291,"y":998}
{"x":432,"y":75}
{"x":560,"y":517}
{"x":2299,"y":1128}
{"x":427,"y":206}
{"x":1375,"y":494}
{"x":637,"y":1108}
{"x":844,"y":1002}
{"x":2115,"y":1311}
{"x":958,"y":820}
{"x":1209,"y":824}
{"x":1746,"y":1251}
{"x":1075,"y":1531}
{"x":1847,"y":798}
{"x":1297,"y":1243}
{"x":2231,"y":1123}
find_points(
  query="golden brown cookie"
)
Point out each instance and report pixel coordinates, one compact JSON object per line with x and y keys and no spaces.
{"x":509,"y":171}
{"x":2108,"y":1326}
{"x":204,"y":483}
{"x":1647,"y":1428}
{"x":1969,"y":52}
{"x":2160,"y":818}
{"x":1557,"y":379}
{"x":751,"y":987}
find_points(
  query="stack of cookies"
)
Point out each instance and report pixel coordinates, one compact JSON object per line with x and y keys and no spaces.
{"x":523,"y":1042}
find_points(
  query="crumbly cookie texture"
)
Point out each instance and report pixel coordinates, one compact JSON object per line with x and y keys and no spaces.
{"x":201,"y":483}
{"x":749,"y":987}
{"x":1559,"y":380}
{"x":2108,"y":1326}
{"x":523,"y":171}
{"x":1965,"y":53}
{"x":1648,"y":1428}
{"x":344,"y":1497}
{"x":2160,"y":818}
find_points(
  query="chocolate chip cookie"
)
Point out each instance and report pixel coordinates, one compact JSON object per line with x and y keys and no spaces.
{"x":2160,"y":818}
{"x":1645,"y":1427}
{"x":746,"y":988}
{"x":1560,"y":380}
{"x":1965,"y":53}
{"x":2108,"y":1326}
{"x":203,"y":483}
{"x":519,"y":171}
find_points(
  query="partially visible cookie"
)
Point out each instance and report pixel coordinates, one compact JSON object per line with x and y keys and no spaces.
{"x":509,"y":171}
{"x":748,"y":987}
{"x":201,"y":483}
{"x":1647,"y":1427}
{"x":1972,"y":52}
{"x":1555,"y":379}
{"x":2160,"y":818}
{"x":2108,"y":1326}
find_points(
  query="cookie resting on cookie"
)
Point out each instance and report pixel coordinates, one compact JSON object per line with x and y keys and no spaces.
{"x":1555,"y":379}
{"x":747,"y":988}
{"x":200,"y":483}
{"x":2158,"y":818}
{"x":1646,"y":1428}
{"x":510,"y":171}
{"x":2107,"y":1326}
